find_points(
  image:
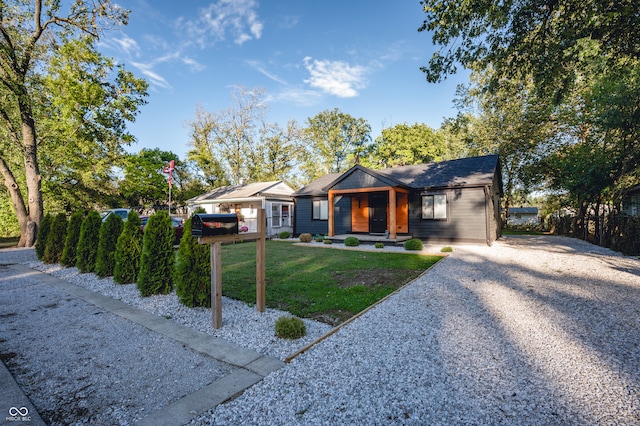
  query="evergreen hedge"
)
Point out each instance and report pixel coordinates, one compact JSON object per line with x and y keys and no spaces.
{"x":55,"y":239}
{"x":87,"y":248}
{"x":68,"y":257}
{"x":43,"y":233}
{"x":157,"y":259}
{"x":128,"y":250}
{"x":192,"y":275}
{"x":106,"y":257}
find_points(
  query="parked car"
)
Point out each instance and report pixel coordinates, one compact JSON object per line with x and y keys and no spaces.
{"x":176,"y":222}
{"x":123,"y":213}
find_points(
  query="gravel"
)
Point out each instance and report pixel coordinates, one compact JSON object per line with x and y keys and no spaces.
{"x":533,"y":330}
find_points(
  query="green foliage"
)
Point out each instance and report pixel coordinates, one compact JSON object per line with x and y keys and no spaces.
{"x":192,"y":275}
{"x":55,"y":239}
{"x":413,"y":244}
{"x":403,"y":145}
{"x":379,"y":245}
{"x":87,"y":249}
{"x":319,"y":239}
{"x":351,"y":242}
{"x":284,"y":235}
{"x":305,"y":238}
{"x":43,"y":235}
{"x":327,"y":241}
{"x":157,"y":259}
{"x":9,"y":226}
{"x":68,"y":257}
{"x":144,"y":182}
{"x":290,"y":328}
{"x":446,"y":249}
{"x":106,"y":257}
{"x":128,"y":251}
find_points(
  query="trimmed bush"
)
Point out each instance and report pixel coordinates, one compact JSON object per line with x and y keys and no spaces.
{"x":351,"y":242}
{"x":55,"y":239}
{"x":68,"y":257}
{"x":157,"y":259}
{"x":87,"y":249}
{"x":284,"y":235}
{"x":379,"y":245}
{"x":128,"y":250}
{"x":290,"y":328}
{"x":319,"y":239}
{"x":413,"y":244}
{"x":43,"y":234}
{"x":192,"y":275}
{"x":106,"y":257}
{"x":327,"y":241}
{"x":305,"y":238}
{"x":446,"y":249}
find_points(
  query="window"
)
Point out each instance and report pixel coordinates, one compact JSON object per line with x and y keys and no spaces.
{"x":275,"y":215}
{"x":286,"y":217}
{"x":321,"y":210}
{"x":434,"y":206}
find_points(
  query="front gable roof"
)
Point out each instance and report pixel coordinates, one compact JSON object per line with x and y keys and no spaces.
{"x":256,"y":189}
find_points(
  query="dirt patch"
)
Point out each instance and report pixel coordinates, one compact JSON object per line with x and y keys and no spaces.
{"x":374,"y":277}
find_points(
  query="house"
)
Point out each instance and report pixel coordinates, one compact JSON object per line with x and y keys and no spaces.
{"x":455,"y":201}
{"x":245,"y":200}
{"x":631,"y":201}
{"x":523,"y":216}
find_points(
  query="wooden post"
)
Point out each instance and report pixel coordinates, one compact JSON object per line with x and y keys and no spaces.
{"x":216,"y":284}
{"x":393,"y":226}
{"x":261,"y":261}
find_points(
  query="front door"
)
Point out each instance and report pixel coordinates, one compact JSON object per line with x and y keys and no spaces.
{"x":378,"y":202}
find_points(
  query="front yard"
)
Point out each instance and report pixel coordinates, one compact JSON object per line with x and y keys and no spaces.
{"x":327,"y":285}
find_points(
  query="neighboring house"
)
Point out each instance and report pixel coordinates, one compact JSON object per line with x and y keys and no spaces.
{"x":631,"y":201}
{"x":523,"y":216}
{"x":457,"y":200}
{"x":245,"y":200}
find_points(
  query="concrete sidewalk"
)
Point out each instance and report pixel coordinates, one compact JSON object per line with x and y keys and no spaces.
{"x":246,"y":367}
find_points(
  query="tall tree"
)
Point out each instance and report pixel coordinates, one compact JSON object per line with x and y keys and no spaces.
{"x":144,"y":183}
{"x":276,"y":154}
{"x":336,"y":141}
{"x":405,"y":144}
{"x":222,"y":141}
{"x":57,"y":91}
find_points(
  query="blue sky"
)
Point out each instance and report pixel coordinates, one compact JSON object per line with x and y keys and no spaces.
{"x":309,"y":56}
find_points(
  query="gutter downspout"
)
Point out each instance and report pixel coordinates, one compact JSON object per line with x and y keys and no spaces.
{"x":487,"y":213}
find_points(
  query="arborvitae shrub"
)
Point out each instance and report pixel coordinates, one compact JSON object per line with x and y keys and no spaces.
{"x":284,"y":235}
{"x":290,"y":328}
{"x":305,"y":238}
{"x":68,"y":257}
{"x":157,"y":259}
{"x":192,"y":277}
{"x":128,"y":251}
{"x":87,"y":249}
{"x":351,"y":242}
{"x":106,"y":257}
{"x":413,"y":244}
{"x":55,"y":239}
{"x":43,"y":234}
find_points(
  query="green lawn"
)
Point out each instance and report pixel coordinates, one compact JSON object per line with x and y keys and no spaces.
{"x":6,"y":242}
{"x":328,"y":285}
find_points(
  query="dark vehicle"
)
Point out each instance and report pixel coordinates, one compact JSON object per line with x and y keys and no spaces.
{"x":176,"y":222}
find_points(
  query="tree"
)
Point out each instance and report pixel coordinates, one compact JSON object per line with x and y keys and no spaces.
{"x":87,"y":249}
{"x":276,"y":155}
{"x":336,"y":141}
{"x":55,"y":239}
{"x":144,"y":182}
{"x":109,"y":233}
{"x":192,"y":275}
{"x":223,"y":140}
{"x":528,"y":37}
{"x":157,"y":259}
{"x":58,"y":95}
{"x":403,"y":145}
{"x":71,"y":242}
{"x":128,"y":250}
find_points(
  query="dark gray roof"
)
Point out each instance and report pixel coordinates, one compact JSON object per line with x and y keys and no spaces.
{"x":471,"y":171}
{"x":316,"y":187}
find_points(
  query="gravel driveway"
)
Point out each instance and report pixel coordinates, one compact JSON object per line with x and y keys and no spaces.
{"x":534,"y":330}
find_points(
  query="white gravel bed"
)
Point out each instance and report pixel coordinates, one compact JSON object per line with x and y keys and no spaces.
{"x":534,"y":330}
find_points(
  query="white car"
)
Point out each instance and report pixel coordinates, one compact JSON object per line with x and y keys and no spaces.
{"x":123,"y":213}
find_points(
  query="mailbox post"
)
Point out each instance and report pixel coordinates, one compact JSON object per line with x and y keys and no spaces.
{"x":214,"y":229}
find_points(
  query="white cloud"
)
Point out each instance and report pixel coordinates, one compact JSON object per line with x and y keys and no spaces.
{"x":124,"y":44}
{"x":236,"y":19}
{"x":335,"y":77}
{"x":155,"y":78}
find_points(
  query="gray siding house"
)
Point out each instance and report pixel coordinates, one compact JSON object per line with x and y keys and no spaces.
{"x":448,"y":201}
